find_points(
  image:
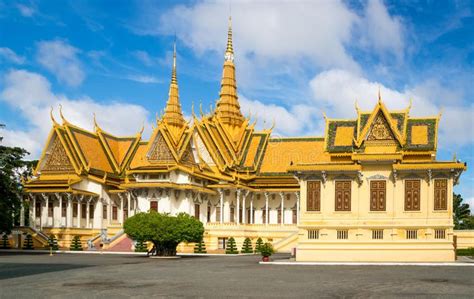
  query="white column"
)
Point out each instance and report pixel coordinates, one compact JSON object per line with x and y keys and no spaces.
{"x":47,"y":211}
{"x":79,"y":211}
{"x":221,"y":195}
{"x":69,"y":211}
{"x":297,"y":194}
{"x":60,"y":210}
{"x":33,"y":223}
{"x":128,"y":204}
{"x":109,"y":212}
{"x":282,"y":221}
{"x":266,"y":208}
{"x":87,"y":213}
{"x":251,"y":210}
{"x":237,"y":197}
{"x":244,"y":210}
{"x":121,"y":210}
{"x":22,"y":212}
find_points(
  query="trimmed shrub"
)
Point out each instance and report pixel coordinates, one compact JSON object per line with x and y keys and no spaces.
{"x":465,"y":252}
{"x":247,"y":246}
{"x":266,"y":249}
{"x":140,"y":246}
{"x":5,"y":242}
{"x":258,"y":245}
{"x":231,"y":247}
{"x":76,"y":244}
{"x":53,"y":243}
{"x":200,"y":247}
{"x":28,"y":243}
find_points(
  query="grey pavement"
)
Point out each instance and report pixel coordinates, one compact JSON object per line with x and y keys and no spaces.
{"x":92,"y":276}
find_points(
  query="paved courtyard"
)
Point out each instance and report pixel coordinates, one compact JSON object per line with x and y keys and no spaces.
{"x":92,"y":276}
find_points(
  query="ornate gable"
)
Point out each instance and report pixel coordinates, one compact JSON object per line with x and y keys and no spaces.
{"x":56,"y":158}
{"x":159,"y":150}
{"x":380,"y":130}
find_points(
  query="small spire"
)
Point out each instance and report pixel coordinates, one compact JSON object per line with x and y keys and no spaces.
{"x":228,"y":107}
{"x":380,"y":97}
{"x":229,"y":52}
{"x":173,"y":114}
{"x":174,"y":78}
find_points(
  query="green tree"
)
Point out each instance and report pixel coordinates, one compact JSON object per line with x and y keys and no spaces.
{"x":13,"y":168}
{"x":247,"y":246}
{"x":163,"y":230}
{"x":76,"y":244}
{"x":461,"y":211}
{"x":258,"y":245}
{"x":5,"y":242}
{"x":200,"y":247}
{"x":140,"y":246}
{"x":28,"y":244}
{"x":231,"y":247}
{"x":53,"y":243}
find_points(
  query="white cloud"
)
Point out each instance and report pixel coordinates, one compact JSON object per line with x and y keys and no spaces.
{"x":144,"y":79}
{"x":144,"y":57}
{"x":31,"y":94}
{"x":10,"y":56}
{"x":26,"y":11}
{"x":383,"y":32}
{"x":316,"y":30}
{"x":336,"y":91}
{"x":60,"y":58}
{"x":297,"y":120}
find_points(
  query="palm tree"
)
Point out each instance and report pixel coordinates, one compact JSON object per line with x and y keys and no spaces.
{"x":461,"y":211}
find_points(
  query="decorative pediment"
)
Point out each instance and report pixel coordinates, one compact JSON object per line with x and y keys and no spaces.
{"x":57,"y":159}
{"x":160,"y":151}
{"x":379,"y":127}
{"x":380,"y":130}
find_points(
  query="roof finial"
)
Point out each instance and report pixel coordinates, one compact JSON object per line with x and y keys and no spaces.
{"x":380,"y":97}
{"x":96,"y":126}
{"x":229,"y":52}
{"x":52,"y":116}
{"x":409,"y":105}
{"x":61,"y":114}
{"x":200,"y":109}
{"x":173,"y":73}
{"x":357,"y":106}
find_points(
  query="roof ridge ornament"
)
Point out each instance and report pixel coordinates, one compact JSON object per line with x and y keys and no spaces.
{"x":61,"y":114}
{"x":52,"y":117}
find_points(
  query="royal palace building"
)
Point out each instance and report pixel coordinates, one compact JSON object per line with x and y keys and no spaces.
{"x":370,"y":189}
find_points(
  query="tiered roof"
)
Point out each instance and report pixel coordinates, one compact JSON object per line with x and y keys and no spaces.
{"x":225,"y":149}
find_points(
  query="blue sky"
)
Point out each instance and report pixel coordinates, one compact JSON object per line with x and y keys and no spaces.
{"x":295,"y":60}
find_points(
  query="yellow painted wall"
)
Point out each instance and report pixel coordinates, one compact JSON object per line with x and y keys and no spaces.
{"x":465,"y":238}
{"x":360,"y":221}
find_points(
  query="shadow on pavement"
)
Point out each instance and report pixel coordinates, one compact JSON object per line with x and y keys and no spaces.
{"x":12,"y":270}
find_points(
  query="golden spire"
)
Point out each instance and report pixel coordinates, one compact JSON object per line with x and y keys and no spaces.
{"x":228,"y":107}
{"x":173,"y":114}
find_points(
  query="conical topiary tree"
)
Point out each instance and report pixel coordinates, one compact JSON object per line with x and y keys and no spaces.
{"x":76,"y":244}
{"x":231,"y":247}
{"x":247,"y":246}
{"x":28,"y":243}
{"x":140,"y":246}
{"x":5,"y":242}
{"x":53,"y":243}
{"x":258,"y":245}
{"x":200,"y":247}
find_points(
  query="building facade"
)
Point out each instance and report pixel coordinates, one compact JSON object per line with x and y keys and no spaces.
{"x":369,"y":189}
